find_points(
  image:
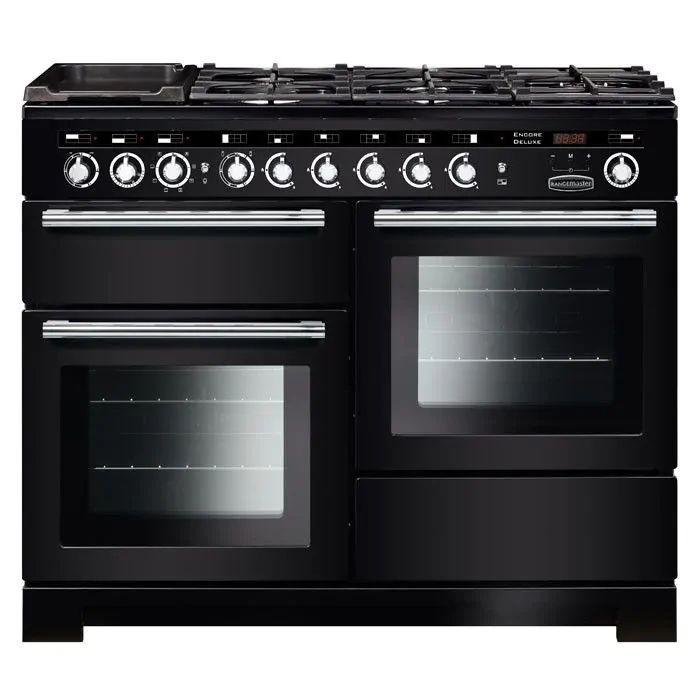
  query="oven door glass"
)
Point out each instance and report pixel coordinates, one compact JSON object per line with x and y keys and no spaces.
{"x":515,"y":345}
{"x":150,"y":451}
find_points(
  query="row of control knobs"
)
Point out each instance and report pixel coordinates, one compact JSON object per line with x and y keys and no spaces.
{"x":173,"y":170}
{"x":236,"y":170}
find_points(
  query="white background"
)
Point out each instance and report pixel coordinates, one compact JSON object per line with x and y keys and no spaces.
{"x":330,"y":663}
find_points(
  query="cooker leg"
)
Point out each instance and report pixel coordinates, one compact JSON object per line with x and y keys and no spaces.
{"x":49,"y":616}
{"x":653,"y":620}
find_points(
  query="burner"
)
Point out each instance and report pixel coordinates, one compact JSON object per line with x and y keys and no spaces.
{"x":586,"y":85}
{"x":257,"y":86}
{"x":424,"y":86}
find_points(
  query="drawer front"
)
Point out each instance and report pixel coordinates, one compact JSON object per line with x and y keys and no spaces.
{"x":196,"y":253}
{"x":516,"y":529}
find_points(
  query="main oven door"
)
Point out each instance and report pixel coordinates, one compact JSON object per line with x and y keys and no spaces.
{"x":516,"y":339}
{"x":185,"y":446}
{"x":185,"y":253}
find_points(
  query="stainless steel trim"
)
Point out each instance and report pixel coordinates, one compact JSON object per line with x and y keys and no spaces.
{"x":129,"y":330}
{"x":398,"y":218}
{"x":90,"y":218}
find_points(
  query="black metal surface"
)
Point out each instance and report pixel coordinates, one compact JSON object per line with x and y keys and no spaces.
{"x":112,"y":82}
{"x":557,"y":529}
{"x":210,"y":267}
{"x":439,"y":442}
{"x":529,"y":167}
{"x":46,"y":555}
{"x":639,"y":613}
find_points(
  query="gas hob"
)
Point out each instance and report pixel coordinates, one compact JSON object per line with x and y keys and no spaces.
{"x":344,"y":85}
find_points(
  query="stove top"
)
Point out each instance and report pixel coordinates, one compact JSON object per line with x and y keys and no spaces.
{"x":344,"y":85}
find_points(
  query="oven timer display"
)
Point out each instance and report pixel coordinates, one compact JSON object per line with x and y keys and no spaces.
{"x":570,"y":139}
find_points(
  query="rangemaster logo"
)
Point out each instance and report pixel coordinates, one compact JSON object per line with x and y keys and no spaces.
{"x":571,"y":183}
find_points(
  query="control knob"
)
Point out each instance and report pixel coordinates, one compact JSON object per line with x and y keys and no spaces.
{"x":416,"y":171}
{"x":127,"y":170}
{"x":173,"y":170}
{"x":374,"y":172}
{"x":81,"y":170}
{"x":236,"y":170}
{"x":420,"y":172}
{"x":370,"y":172}
{"x":621,"y":170}
{"x":461,"y":171}
{"x":278,"y":171}
{"x":324,"y":172}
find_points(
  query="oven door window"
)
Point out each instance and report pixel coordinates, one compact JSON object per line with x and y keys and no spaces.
{"x":486,"y":345}
{"x":198,"y":455}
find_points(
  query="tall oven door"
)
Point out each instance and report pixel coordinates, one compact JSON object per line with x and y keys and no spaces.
{"x":185,"y":253}
{"x":202,"y":446}
{"x":516,"y":339}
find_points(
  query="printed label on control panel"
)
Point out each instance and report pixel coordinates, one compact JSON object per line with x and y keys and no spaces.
{"x":571,"y":183}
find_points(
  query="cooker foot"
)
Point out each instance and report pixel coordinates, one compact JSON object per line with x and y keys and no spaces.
{"x":654,"y":622}
{"x":48,"y":618}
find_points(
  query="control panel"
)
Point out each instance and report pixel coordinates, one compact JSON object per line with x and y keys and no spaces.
{"x":356,"y":164}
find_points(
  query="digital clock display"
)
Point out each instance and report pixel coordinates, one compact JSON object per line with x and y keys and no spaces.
{"x":568,"y":139}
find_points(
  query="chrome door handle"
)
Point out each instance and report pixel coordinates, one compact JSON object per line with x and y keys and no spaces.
{"x":134,"y":330}
{"x":632,"y":218}
{"x":84,"y":218}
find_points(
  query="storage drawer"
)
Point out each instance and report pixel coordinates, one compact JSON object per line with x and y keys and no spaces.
{"x":516,"y":529}
{"x":185,"y":254}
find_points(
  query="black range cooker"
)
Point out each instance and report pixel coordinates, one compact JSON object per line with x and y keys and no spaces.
{"x":349,"y":346}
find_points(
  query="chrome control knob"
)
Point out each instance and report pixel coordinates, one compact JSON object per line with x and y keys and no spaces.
{"x":621,"y":170}
{"x":374,"y":172}
{"x":236,"y":170}
{"x":127,"y":170}
{"x":78,"y":173}
{"x":81,"y":170}
{"x":420,"y":172}
{"x":370,"y":172}
{"x":465,"y":172}
{"x":416,"y":171}
{"x":282,"y":172}
{"x":278,"y":171}
{"x":461,"y":171}
{"x":173,"y":170}
{"x":327,"y":172}
{"x":323,"y":171}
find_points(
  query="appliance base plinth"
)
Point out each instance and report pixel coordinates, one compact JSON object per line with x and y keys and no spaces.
{"x":640,"y":613}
